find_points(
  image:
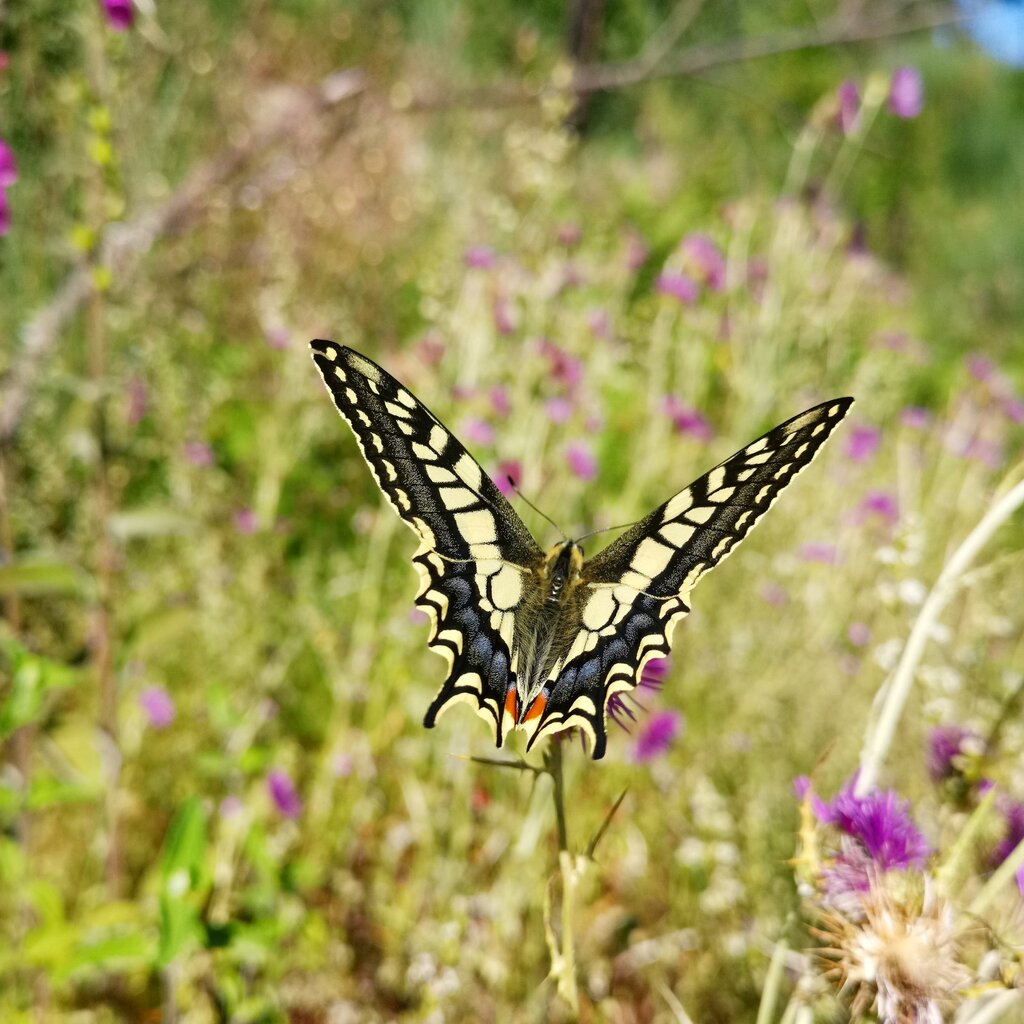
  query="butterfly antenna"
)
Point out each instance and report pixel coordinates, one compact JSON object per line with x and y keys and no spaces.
{"x":604,"y":529}
{"x":512,"y":484}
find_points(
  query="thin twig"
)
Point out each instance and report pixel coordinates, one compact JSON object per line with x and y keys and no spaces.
{"x":688,"y":62}
{"x":599,"y":834}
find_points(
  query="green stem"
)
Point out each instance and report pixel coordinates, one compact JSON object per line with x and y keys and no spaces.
{"x":555,"y":768}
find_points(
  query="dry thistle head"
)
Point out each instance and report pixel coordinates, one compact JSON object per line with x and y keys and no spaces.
{"x":901,"y":958}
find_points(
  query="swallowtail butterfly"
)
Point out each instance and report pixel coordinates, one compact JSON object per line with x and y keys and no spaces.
{"x":537,"y":640}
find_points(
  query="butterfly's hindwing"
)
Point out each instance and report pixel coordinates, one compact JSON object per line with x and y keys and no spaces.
{"x":635,"y":592}
{"x":475,"y":554}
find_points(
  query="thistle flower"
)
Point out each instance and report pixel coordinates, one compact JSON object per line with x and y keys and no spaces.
{"x":687,"y":421}
{"x":558,"y":409}
{"x":120,"y":14}
{"x":848,"y":106}
{"x":5,"y":213}
{"x":901,"y":960}
{"x":510,"y":468}
{"x":906,"y":92}
{"x":657,"y":735}
{"x":946,"y":744}
{"x":1013,"y":816}
{"x":283,"y":793}
{"x":859,"y":634}
{"x":479,"y":257}
{"x":705,"y":259}
{"x":622,"y":706}
{"x":880,"y":822}
{"x":158,"y":707}
{"x":815,"y":551}
{"x":500,"y":402}
{"x":879,"y":505}
{"x":245,"y":521}
{"x":199,"y":454}
{"x":477,"y":431}
{"x":862,"y":442}
{"x":676,"y":285}
{"x":916,"y":418}
{"x":581,"y":460}
{"x":566,"y":369}
{"x":8,"y":167}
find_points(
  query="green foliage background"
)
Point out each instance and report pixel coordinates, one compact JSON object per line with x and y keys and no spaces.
{"x":146,"y":872}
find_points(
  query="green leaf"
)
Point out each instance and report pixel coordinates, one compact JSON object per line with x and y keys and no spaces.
{"x":33,"y":677}
{"x":30,"y":578}
{"x":183,"y":882}
{"x":148,"y":522}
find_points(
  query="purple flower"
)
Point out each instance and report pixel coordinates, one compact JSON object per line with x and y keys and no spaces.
{"x":138,"y":400}
{"x":677,"y":285}
{"x":862,"y":442}
{"x":687,"y":421}
{"x":945,"y":744}
{"x":773,"y":594}
{"x":8,"y":168}
{"x":581,"y":460}
{"x":877,"y":504}
{"x":569,"y":234}
{"x":906,"y":92}
{"x":500,"y":402}
{"x":848,"y":102}
{"x":479,"y":257}
{"x":277,"y":336}
{"x":566,"y":369}
{"x":245,"y":521}
{"x":637,"y":251}
{"x":599,"y":323}
{"x":657,"y":735}
{"x":504,"y":315}
{"x":916,"y":418}
{"x":653,"y":675}
{"x":157,"y":706}
{"x":1013,"y":814}
{"x":199,"y":454}
{"x":879,"y":822}
{"x":622,"y":705}
{"x":119,"y":14}
{"x":1013,"y":407}
{"x":859,"y":634}
{"x":558,"y":409}
{"x":476,"y":430}
{"x":282,"y":792}
{"x":510,"y":468}
{"x":705,"y":258}
{"x":5,"y":213}
{"x":815,"y":551}
{"x":981,"y":368}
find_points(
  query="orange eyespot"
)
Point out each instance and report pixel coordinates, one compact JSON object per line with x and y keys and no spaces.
{"x":537,"y":707}
{"x":512,"y":703}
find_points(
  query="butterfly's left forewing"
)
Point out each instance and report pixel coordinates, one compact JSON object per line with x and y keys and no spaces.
{"x":634,"y":592}
{"x":476,"y":558}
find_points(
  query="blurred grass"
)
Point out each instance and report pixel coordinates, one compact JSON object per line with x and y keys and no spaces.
{"x":260,"y":580}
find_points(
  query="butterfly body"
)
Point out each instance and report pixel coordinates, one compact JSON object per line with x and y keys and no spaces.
{"x":541,"y":641}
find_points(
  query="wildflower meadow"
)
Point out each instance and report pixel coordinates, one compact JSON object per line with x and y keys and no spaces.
{"x":608,"y":245}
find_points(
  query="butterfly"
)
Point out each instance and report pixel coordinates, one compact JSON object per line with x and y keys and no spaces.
{"x":541,"y":640}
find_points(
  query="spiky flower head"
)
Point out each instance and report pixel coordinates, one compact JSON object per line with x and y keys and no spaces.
{"x":901,"y":959}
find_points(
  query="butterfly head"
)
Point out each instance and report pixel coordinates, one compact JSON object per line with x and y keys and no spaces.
{"x":562,"y":566}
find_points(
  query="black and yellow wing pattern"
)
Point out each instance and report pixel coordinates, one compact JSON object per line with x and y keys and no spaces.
{"x":476,"y":558}
{"x":541,"y":641}
{"x":634,"y":592}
